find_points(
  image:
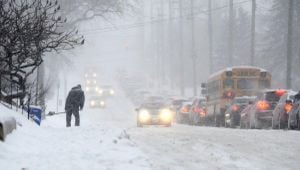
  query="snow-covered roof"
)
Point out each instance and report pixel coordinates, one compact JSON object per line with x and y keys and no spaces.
{"x":236,"y":67}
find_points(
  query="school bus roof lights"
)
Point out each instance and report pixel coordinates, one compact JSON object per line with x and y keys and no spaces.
{"x":229,"y":73}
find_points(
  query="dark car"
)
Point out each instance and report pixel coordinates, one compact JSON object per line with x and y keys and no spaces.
{"x":106,"y":90}
{"x":232,"y":114}
{"x":281,"y":111}
{"x":294,"y":116}
{"x":182,"y":114}
{"x":260,"y":113}
{"x":175,"y":104}
{"x":197,"y":112}
{"x":154,"y":113}
{"x":92,"y":89}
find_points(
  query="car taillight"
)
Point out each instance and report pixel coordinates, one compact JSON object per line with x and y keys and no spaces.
{"x":202,"y":113}
{"x":195,"y":109}
{"x":235,"y":108}
{"x":185,"y":109}
{"x":262,"y":105}
{"x":288,"y":107}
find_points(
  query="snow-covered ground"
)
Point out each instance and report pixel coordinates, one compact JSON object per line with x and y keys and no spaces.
{"x":109,"y":139}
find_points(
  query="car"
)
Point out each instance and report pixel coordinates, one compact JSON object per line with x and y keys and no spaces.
{"x":155,"y":98}
{"x":92,"y":89}
{"x":232,"y":113}
{"x":260,"y":113}
{"x":294,"y":114}
{"x":90,"y":82}
{"x":139,"y":96}
{"x":90,"y":73}
{"x":106,"y":90}
{"x":282,"y":109}
{"x":154,"y":113}
{"x":182,"y":114}
{"x":97,"y":102}
{"x":175,"y":104}
{"x":245,"y":116}
{"x":198,"y":111}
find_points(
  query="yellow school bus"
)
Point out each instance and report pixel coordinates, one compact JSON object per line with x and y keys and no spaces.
{"x":226,"y":84}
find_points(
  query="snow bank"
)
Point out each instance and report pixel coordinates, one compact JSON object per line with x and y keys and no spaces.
{"x":53,"y":146}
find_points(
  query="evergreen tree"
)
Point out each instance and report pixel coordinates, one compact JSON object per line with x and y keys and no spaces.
{"x":272,"y":52}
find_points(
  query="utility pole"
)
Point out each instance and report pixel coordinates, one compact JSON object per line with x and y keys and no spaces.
{"x":42,"y":92}
{"x":230,"y":39}
{"x":171,"y":45}
{"x":210,"y":34}
{"x":152,"y":46}
{"x":181,"y":49}
{"x":65,"y":86}
{"x":37,"y":85}
{"x":57,"y":95}
{"x":252,"y":53}
{"x":161,"y":39}
{"x":155,"y":29}
{"x":158,"y":41}
{"x":194,"y":55}
{"x":142,"y":34}
{"x":289,"y":45}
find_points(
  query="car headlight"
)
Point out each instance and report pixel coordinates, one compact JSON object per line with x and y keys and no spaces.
{"x":112,"y":92}
{"x":144,"y":115}
{"x":93,"y":103}
{"x":100,"y":91}
{"x":165,"y":115}
{"x":96,"y":88}
{"x":102,"y":103}
{"x":94,"y":75}
{"x":87,"y":89}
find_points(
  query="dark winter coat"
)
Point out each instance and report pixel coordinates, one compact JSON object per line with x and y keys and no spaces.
{"x":75,"y":99}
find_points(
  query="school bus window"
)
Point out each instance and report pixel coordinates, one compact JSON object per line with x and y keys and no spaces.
{"x":264,"y":84}
{"x":228,"y":83}
{"x":246,"y":84}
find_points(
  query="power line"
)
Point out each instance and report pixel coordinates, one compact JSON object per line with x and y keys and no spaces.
{"x":142,"y":24}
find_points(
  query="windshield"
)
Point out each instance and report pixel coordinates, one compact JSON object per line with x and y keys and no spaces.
{"x":272,"y":97}
{"x":242,"y":100}
{"x":178,"y":102}
{"x":263,"y":84}
{"x":153,"y":105}
{"x":246,"y":84}
{"x":228,"y":83}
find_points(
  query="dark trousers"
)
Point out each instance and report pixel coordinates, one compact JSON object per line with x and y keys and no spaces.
{"x":69,"y":113}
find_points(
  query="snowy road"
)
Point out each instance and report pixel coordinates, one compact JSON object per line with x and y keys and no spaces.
{"x":109,"y":139}
{"x":185,"y":147}
{"x":193,"y":147}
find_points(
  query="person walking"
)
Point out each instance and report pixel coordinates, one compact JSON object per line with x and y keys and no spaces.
{"x":74,"y":102}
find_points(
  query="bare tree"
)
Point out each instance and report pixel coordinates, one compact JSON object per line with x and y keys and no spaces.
{"x":29,"y":29}
{"x":79,"y":10}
